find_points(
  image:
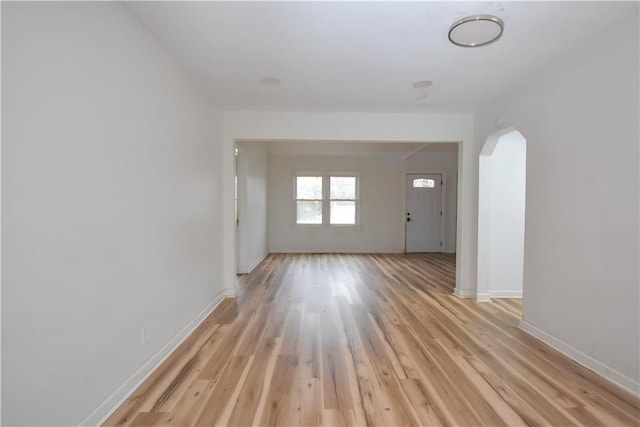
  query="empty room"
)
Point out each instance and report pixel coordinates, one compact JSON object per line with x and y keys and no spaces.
{"x":320,"y":213}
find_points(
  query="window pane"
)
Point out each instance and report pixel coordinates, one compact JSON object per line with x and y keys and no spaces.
{"x":309,"y":212}
{"x":343,"y":187}
{"x":423,"y":183}
{"x":343,"y":212}
{"x":308,"y":187}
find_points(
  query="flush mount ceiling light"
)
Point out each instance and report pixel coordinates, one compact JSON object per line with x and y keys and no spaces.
{"x":476,"y":31}
{"x":423,"y":84}
{"x":270,"y":81}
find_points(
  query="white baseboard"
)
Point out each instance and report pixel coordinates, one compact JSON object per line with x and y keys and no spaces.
{"x":258,"y":261}
{"x":487,"y":296}
{"x":463,"y":293}
{"x":335,"y":251}
{"x":483,"y":297}
{"x":99,"y":415}
{"x":505,"y":294}
{"x":582,"y":358}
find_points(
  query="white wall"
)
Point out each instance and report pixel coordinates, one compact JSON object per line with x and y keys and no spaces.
{"x":382,"y":201}
{"x":111,"y":213}
{"x":581,"y":279}
{"x":373,"y":127}
{"x":252,"y":205}
{"x":501,"y":212}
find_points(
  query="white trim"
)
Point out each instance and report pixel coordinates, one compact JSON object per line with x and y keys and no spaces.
{"x":103,"y":411}
{"x":258,"y":261}
{"x":506,"y":294}
{"x":483,"y":297}
{"x":605,"y":371}
{"x":463,"y":293}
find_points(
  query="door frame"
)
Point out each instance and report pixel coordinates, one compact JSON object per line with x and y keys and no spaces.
{"x":443,"y":199}
{"x":240,"y":229}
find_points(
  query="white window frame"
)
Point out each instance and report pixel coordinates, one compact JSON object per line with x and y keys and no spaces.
{"x":326,"y":200}
{"x":296,"y":199}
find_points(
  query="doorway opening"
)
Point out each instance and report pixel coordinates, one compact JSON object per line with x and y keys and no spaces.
{"x":251,"y":243}
{"x":501,"y":214}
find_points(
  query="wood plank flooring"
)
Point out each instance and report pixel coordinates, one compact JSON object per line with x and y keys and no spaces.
{"x":351,"y":339}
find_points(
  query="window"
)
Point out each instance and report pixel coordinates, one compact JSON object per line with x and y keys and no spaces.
{"x":340,"y":191}
{"x":309,"y":200}
{"x":342,"y":201}
{"x":423,"y":183}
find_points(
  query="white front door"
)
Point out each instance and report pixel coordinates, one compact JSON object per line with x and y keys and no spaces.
{"x":423,"y":215}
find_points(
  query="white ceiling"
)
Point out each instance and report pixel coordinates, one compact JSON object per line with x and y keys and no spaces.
{"x":365,"y":56}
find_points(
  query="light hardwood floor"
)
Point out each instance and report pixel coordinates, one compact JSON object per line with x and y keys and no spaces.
{"x":368,"y":340}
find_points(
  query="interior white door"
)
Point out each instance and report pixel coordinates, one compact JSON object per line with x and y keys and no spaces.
{"x":424,"y":214}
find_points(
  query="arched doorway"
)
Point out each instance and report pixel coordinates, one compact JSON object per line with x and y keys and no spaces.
{"x":501,"y":212}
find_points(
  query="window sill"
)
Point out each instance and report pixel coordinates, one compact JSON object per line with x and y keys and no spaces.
{"x":325,"y":225}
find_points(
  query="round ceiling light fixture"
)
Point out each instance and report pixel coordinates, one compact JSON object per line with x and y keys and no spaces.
{"x":423,"y":84}
{"x":476,"y":31}
{"x":270,"y":81}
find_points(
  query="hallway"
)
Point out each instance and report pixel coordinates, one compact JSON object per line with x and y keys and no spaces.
{"x":355,"y":339}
